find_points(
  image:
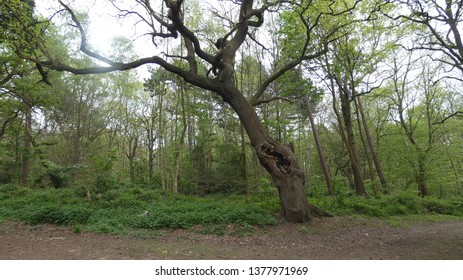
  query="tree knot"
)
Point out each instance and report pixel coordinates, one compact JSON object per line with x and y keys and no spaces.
{"x":276,"y":158}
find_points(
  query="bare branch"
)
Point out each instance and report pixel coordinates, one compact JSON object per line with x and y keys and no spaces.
{"x":458,"y":113}
{"x":260,"y":91}
{"x":83,"y":38}
{"x":265,"y":101}
{"x":441,"y":20}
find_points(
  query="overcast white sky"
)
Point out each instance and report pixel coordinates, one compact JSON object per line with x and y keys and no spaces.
{"x":104,"y":26}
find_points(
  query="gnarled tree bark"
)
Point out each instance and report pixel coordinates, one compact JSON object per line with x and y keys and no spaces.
{"x":281,"y":163}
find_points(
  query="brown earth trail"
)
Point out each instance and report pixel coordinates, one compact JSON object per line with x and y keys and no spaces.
{"x":329,"y":239}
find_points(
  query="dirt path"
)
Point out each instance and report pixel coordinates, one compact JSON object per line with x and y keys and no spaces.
{"x":332,"y":238}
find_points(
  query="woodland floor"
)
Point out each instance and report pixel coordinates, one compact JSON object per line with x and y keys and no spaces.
{"x":328,"y":239}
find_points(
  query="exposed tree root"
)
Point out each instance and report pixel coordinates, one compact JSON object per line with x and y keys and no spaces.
{"x":317,"y":212}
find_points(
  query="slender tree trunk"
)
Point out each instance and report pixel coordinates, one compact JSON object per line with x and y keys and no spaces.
{"x":341,"y":123}
{"x":351,"y":145}
{"x":160,"y":139}
{"x":421,"y":175}
{"x":18,"y":156}
{"x":191,"y":128}
{"x":132,"y":171}
{"x":181,"y":140}
{"x":150,"y":130}
{"x":370,"y":170}
{"x":455,"y":172}
{"x":244,"y":164}
{"x":321,"y":155}
{"x":131,"y":154}
{"x":25,"y":167}
{"x":374,"y":155}
{"x":365,"y":148}
{"x":151,"y":157}
{"x":77,"y":133}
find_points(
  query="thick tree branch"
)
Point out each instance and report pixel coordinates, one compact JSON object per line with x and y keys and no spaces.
{"x":175,"y":16}
{"x":196,"y":80}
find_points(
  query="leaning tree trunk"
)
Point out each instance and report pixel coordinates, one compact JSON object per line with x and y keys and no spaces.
{"x":321,"y":155}
{"x":277,"y":159}
{"x":288,"y":178}
{"x":374,"y":155}
{"x":351,"y":144}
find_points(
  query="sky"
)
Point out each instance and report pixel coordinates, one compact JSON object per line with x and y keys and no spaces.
{"x":104,"y":26}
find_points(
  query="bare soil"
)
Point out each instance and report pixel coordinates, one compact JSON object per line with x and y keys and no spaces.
{"x":328,"y":239}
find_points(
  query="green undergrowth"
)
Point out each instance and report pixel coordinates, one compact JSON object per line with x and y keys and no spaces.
{"x":138,"y":210}
{"x":397,"y":204}
{"x":132,"y":209}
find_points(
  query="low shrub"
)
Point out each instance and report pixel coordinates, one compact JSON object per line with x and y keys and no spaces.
{"x":365,"y":207}
{"x":401,"y":203}
{"x":58,"y":215}
{"x":411,"y":201}
{"x":124,"y":208}
{"x":109,"y":226}
{"x":447,"y":207}
{"x":127,"y":200}
{"x":201,"y":211}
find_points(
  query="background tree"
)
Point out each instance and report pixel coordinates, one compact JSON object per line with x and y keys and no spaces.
{"x":440,"y":34}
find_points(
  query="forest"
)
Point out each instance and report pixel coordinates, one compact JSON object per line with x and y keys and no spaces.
{"x":229,"y":112}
